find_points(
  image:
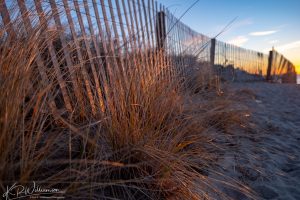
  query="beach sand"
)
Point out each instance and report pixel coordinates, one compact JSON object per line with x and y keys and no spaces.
{"x":268,"y":155}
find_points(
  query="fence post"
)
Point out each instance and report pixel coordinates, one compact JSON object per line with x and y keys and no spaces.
{"x":212,"y":51}
{"x":160,"y":29}
{"x":270,"y":65}
{"x":160,"y":39}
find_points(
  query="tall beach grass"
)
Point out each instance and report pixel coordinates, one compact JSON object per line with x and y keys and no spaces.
{"x":154,"y":139}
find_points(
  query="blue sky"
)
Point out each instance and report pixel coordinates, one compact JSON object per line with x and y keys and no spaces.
{"x":261,"y":24}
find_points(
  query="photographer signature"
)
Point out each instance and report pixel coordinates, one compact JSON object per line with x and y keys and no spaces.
{"x":17,"y":191}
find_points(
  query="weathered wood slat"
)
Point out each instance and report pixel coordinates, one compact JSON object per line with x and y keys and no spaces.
{"x":143,"y":42}
{"x":110,"y":78}
{"x":6,"y":19}
{"x":134,"y":72}
{"x":139,"y":42}
{"x":114,"y":55}
{"x":61,"y":81}
{"x":80,"y":57}
{"x":129,"y":62}
{"x":90,"y":56}
{"x":39,"y":60}
{"x":100,"y":63}
{"x":148,"y":49}
{"x":71,"y":67}
{"x":151,"y":35}
{"x":118,"y":46}
{"x":134,"y":38}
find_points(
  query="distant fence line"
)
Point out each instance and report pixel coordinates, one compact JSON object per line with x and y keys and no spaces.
{"x":280,"y":69}
{"x":244,"y":64}
{"x":230,"y":57}
{"x":104,"y":37}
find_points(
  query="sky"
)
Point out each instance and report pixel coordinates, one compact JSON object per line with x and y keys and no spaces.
{"x":260,"y":24}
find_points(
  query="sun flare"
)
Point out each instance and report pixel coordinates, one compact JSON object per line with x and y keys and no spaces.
{"x":298,"y":69}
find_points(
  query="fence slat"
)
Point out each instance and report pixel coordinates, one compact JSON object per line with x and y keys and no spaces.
{"x":134,"y":35}
{"x":67,"y":57}
{"x":118,"y":50}
{"x":80,"y":57}
{"x":126,"y":42}
{"x":90,"y":56}
{"x":61,"y":81}
{"x":113,"y":52}
{"x":110,"y":78}
{"x":143,"y":42}
{"x":99,"y":60}
{"x":132,"y":41}
{"x":39,"y":60}
{"x":6,"y":20}
{"x":149,"y":51}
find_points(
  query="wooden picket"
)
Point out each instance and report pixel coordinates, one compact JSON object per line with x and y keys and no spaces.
{"x":80,"y":58}
{"x":59,"y":76}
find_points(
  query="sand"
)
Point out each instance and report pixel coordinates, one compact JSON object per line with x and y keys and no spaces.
{"x":267,"y":158}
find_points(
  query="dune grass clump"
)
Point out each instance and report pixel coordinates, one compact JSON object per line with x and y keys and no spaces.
{"x":156,"y":139}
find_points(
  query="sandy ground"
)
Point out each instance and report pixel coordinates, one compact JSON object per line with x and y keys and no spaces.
{"x":268,"y":156}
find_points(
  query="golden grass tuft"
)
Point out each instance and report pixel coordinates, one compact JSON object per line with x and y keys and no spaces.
{"x":156,"y":140}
